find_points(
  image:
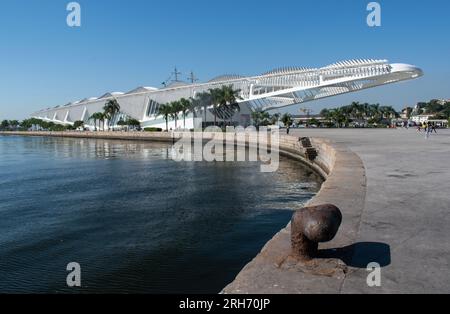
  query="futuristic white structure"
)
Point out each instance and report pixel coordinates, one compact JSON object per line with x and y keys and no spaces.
{"x":271,"y":90}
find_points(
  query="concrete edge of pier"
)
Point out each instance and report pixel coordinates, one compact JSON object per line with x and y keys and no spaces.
{"x":272,"y":271}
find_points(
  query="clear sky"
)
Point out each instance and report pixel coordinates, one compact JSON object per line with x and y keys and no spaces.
{"x":124,"y":44}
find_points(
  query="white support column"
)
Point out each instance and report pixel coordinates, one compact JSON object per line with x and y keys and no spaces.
{"x":83,"y":115}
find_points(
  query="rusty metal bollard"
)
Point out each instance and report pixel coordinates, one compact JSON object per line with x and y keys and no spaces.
{"x":311,"y":225}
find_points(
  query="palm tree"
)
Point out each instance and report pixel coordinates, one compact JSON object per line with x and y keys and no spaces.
{"x":356,"y":110}
{"x":110,"y":109}
{"x":133,"y":123}
{"x":340,"y":117}
{"x":204,"y":100}
{"x":5,"y":124}
{"x":98,"y":116}
{"x":224,"y":97}
{"x":185,"y":106}
{"x":286,"y":119}
{"x":216,"y":99}
{"x":275,"y":118}
{"x":229,"y":98}
{"x":195,"y":106}
{"x":328,"y":115}
{"x":165,"y":110}
{"x":375,"y":110}
{"x":265,"y":118}
{"x":325,"y":112}
{"x":14,"y":124}
{"x":175,"y":108}
{"x":122,"y":123}
{"x":78,"y":124}
{"x":337,"y":116}
{"x":366,"y":109}
{"x":256,"y":117}
{"x":102,"y":118}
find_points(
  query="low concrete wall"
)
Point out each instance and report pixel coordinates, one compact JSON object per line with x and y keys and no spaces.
{"x":323,"y":164}
{"x":269,"y":272}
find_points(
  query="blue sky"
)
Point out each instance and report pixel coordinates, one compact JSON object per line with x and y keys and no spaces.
{"x":125,"y":44}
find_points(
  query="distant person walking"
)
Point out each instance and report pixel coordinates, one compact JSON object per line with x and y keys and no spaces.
{"x":433,"y":128}
{"x":288,"y":129}
{"x":427,"y":130}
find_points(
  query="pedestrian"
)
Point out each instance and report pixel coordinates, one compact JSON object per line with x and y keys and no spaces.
{"x":427,"y":129}
{"x":433,"y":128}
{"x":288,"y":129}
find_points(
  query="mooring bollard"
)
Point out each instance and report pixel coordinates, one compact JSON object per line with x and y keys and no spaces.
{"x":311,"y":225}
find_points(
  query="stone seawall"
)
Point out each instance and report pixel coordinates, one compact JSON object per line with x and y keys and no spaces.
{"x":270,"y":271}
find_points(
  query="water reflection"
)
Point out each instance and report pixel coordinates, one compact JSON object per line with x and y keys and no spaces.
{"x":97,"y":148}
{"x":134,"y":219}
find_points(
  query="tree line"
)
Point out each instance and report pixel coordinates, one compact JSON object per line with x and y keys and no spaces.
{"x":25,"y":125}
{"x":223,"y":98}
{"x":440,"y":109}
{"x":263,"y":118}
{"x":370,"y":113}
{"x":110,"y":110}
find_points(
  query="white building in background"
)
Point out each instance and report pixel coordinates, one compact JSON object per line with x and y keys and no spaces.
{"x":422,"y":118}
{"x":443,"y":101}
{"x":429,"y":118}
{"x":271,"y":90}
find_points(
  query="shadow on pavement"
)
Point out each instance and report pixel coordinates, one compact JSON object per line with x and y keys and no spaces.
{"x":359,"y":255}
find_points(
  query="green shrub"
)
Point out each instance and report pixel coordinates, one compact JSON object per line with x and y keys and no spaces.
{"x":57,"y":128}
{"x":153,"y":130}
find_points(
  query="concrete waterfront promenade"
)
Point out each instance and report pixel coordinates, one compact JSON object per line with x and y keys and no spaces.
{"x":407,"y":206}
{"x":404,"y":222}
{"x":393,"y":189}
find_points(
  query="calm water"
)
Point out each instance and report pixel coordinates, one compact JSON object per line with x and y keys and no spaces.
{"x":136,"y":221}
